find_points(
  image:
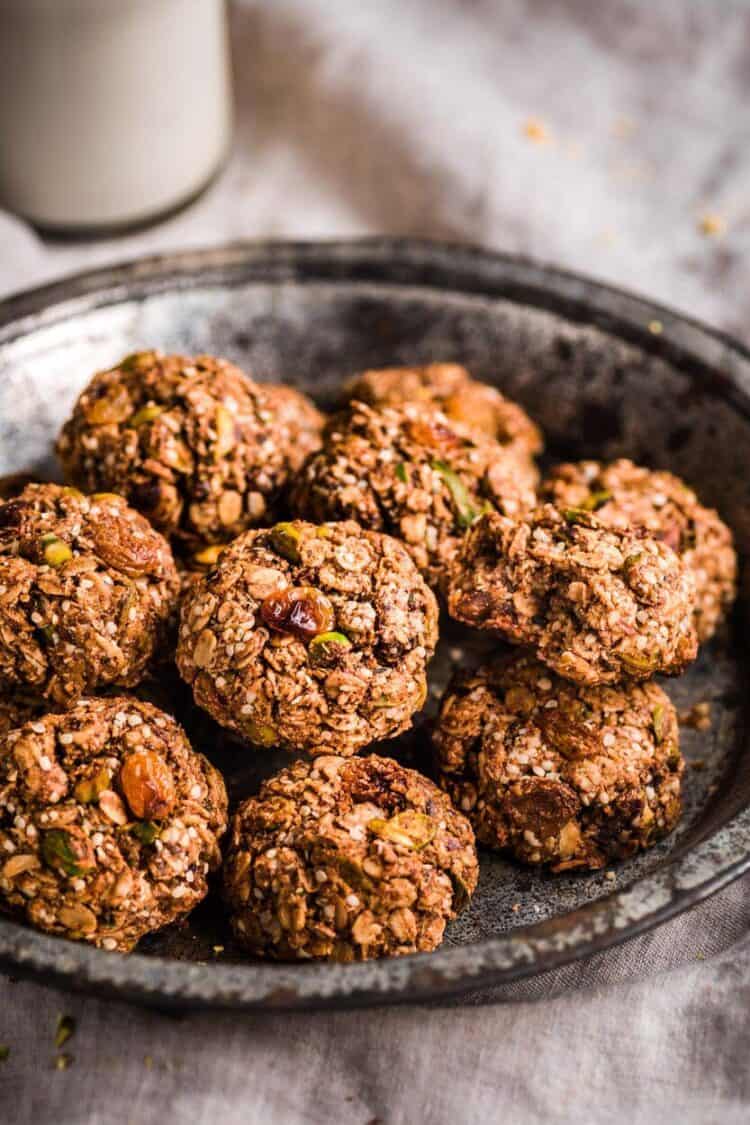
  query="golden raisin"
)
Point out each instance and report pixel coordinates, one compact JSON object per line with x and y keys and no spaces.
{"x":147,"y":785}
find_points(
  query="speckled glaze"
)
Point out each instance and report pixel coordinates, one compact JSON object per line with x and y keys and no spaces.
{"x":603,"y":372}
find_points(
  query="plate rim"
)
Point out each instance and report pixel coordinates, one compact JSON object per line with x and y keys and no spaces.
{"x":684,"y":879}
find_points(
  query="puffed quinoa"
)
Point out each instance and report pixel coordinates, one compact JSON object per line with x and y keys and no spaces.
{"x":347,"y":859}
{"x":593,"y":779}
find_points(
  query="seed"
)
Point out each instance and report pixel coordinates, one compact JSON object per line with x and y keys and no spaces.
{"x":88,"y":789}
{"x":224,"y":430}
{"x":261,"y":734}
{"x":328,"y":648}
{"x":285,"y":540}
{"x":411,"y":829}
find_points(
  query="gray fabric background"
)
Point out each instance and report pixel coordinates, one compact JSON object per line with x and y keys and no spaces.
{"x":407,"y":116}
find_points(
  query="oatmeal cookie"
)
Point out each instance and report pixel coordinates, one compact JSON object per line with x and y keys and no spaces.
{"x":109,"y":822}
{"x":409,"y":472}
{"x":87,"y":588}
{"x":597,"y":605}
{"x":193,"y":443}
{"x":450,"y":388}
{"x":347,"y":859}
{"x":310,"y":638}
{"x":555,"y":773}
{"x":623,"y":494}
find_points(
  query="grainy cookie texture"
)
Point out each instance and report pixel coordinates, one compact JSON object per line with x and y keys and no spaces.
{"x":623,"y":495}
{"x":87,"y":588}
{"x":109,"y":822}
{"x":347,"y":859}
{"x":450,"y":388}
{"x":193,"y":443}
{"x":555,"y":773}
{"x":299,"y":419}
{"x":409,"y":472}
{"x":310,"y":637}
{"x":595,"y":604}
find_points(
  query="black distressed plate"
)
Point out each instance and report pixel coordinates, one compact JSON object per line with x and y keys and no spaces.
{"x":605,"y":374}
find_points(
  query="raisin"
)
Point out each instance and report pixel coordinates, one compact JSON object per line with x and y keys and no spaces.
{"x":301,"y":610}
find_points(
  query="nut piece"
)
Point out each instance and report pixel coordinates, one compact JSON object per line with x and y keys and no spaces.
{"x":596,"y":605}
{"x":625,"y":495}
{"x":347,"y":859}
{"x":410,"y":472}
{"x":75,"y":863}
{"x":88,"y":589}
{"x":450,"y":388}
{"x":194,"y":444}
{"x":309,"y":637}
{"x":558,"y":774}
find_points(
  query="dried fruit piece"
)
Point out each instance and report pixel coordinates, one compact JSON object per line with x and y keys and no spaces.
{"x":68,"y":851}
{"x":302,"y":611}
{"x":411,"y":829}
{"x":147,"y":785}
{"x":328,"y":648}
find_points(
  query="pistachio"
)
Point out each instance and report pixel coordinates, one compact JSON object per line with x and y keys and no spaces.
{"x":146,"y":414}
{"x":595,"y":500}
{"x":575,"y":516}
{"x":466,"y":512}
{"x":56,"y":552}
{"x":88,"y":789}
{"x":401,"y":472}
{"x":109,"y":408}
{"x":105,"y":497}
{"x":411,"y":829}
{"x":638,"y":665}
{"x":147,"y":784}
{"x":68,"y":851}
{"x":285,"y":540}
{"x":145,"y":831}
{"x":136,"y":360}
{"x":261,"y":734}
{"x":327,"y":648}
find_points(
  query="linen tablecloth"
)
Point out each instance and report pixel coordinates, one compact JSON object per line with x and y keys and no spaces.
{"x":610,"y":138}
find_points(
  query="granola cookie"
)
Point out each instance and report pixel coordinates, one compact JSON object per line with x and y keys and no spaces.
{"x":409,"y":472}
{"x":450,"y":388}
{"x":310,"y":638}
{"x":109,"y":822}
{"x":193,"y":443}
{"x":300,"y":420}
{"x":597,"y":605}
{"x":87,"y":588}
{"x":555,"y":773}
{"x":623,"y":494}
{"x":347,"y":859}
